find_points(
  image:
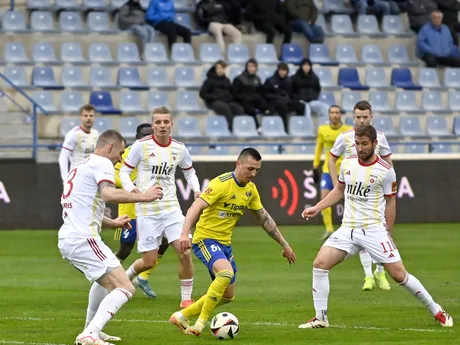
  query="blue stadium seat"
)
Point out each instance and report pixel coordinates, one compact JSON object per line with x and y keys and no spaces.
{"x":128,"y":53}
{"x":188,"y":127}
{"x":184,"y":5}
{"x":71,"y":21}
{"x":68,"y":5}
{"x":102,"y":101}
{"x":71,"y":52}
{"x":116,"y":4}
{"x":43,"y":52}
{"x":15,"y":53}
{"x":196,"y":150}
{"x":304,"y":149}
{"x":67,"y":124}
{"x":441,"y":148}
{"x":71,"y":101}
{"x":237,"y":53}
{"x":101,"y":77}
{"x":217,"y":127}
{"x":158,"y":78}
{"x":375,"y":77}
{"x":402,"y":78}
{"x":219,"y":150}
{"x":380,"y":102}
{"x":457,"y":125}
{"x":397,"y":55}
{"x":410,"y":126}
{"x":327,"y":97}
{"x":99,"y":22}
{"x":323,"y":120}
{"x":210,"y":53}
{"x":102,"y":124}
{"x":325,"y":78}
{"x":272,"y":149}
{"x":14,"y":21}
{"x":183,"y":53}
{"x":72,"y":77}
{"x":349,"y":121}
{"x":184,"y":19}
{"x":17,"y":75}
{"x":406,"y":101}
{"x":266,"y":54}
{"x":39,"y":5}
{"x":45,"y":99}
{"x":372,"y":54}
{"x":432,"y":101}
{"x":129,"y":77}
{"x":185,"y":77}
{"x":452,"y":78}
{"x":436,"y":126}
{"x":349,"y":78}
{"x":321,"y":22}
{"x":158,"y":99}
{"x":428,"y":78}
{"x":156,"y":53}
{"x":44,"y":77}
{"x":245,"y":127}
{"x":368,"y":25}
{"x":187,"y":101}
{"x":336,"y":6}
{"x":385,"y":124}
{"x":128,"y":126}
{"x":393,"y":25}
{"x":100,"y":53}
{"x":42,"y":21}
{"x":235,"y":72}
{"x":95,"y":5}
{"x":273,"y":127}
{"x":349,"y":99}
{"x":130,"y":102}
{"x":203,"y":76}
{"x":301,"y":126}
{"x":345,"y":54}
{"x":454,"y":100}
{"x":341,"y":25}
{"x":415,"y":148}
{"x":319,"y":54}
{"x":292,"y":53}
{"x":265,"y":72}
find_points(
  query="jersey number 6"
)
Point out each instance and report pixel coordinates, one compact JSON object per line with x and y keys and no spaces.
{"x":215,"y":248}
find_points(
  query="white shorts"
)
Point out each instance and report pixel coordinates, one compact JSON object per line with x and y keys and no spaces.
{"x":151,"y":229}
{"x":377,"y":241}
{"x":90,"y":256}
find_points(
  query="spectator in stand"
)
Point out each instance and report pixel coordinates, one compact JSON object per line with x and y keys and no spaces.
{"x":212,"y":14}
{"x":435,"y":44}
{"x":216,"y":91}
{"x":269,"y":16}
{"x":277,"y":91}
{"x":161,"y":15}
{"x":306,"y":88}
{"x":450,"y":9}
{"x":419,"y":12}
{"x":132,"y":17}
{"x":234,"y":10}
{"x":377,"y":7}
{"x":302,"y":15}
{"x":247,"y":91}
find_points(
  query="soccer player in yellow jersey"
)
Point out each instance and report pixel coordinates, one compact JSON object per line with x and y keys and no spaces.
{"x":223,"y":202}
{"x":326,"y":138}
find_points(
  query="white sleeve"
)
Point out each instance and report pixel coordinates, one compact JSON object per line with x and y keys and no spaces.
{"x":389,"y":183}
{"x":70,"y":141}
{"x":385,"y":149}
{"x":129,"y":164}
{"x":339,"y":147}
{"x":104,"y":172}
{"x":64,"y":157}
{"x":186,"y":165}
{"x":186,"y":160}
{"x":341,"y":175}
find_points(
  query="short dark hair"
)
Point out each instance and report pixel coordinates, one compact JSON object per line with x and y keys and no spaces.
{"x":249,"y":152}
{"x":87,"y":107}
{"x":221,"y":63}
{"x":140,"y":128}
{"x":363,"y":105}
{"x":109,"y":137}
{"x":334,"y":106}
{"x":366,"y":131}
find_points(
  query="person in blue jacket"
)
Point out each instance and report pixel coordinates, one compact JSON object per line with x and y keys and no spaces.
{"x":161,"y":14}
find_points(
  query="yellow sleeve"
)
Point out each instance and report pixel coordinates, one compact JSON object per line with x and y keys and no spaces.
{"x":213,"y":191}
{"x":255,"y":203}
{"x":319,"y":148}
{"x":118,"y":166}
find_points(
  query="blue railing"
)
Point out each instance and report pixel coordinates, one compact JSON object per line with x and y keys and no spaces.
{"x":35,"y":106}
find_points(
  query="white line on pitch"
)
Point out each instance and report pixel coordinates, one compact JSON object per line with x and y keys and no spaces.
{"x":14,"y":342}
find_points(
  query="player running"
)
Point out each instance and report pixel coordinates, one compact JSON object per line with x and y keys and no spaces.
{"x":86,"y":190}
{"x":156,"y":159}
{"x":79,"y":142}
{"x":327,"y":134}
{"x":224,"y":201}
{"x":345,"y":145}
{"x":368,"y":184}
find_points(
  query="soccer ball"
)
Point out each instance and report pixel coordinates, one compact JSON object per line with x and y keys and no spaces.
{"x":225,"y":326}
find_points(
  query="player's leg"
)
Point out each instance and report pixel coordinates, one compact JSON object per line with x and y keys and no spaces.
{"x":366,"y":262}
{"x":163,"y":246}
{"x":381,"y":278}
{"x":326,"y":187}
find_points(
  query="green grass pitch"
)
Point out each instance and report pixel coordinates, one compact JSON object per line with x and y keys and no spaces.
{"x":43,"y":299}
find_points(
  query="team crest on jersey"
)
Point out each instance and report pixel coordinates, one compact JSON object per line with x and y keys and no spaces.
{"x":372,"y":181}
{"x":174,"y":158}
{"x":248,"y":194}
{"x":233,"y":196}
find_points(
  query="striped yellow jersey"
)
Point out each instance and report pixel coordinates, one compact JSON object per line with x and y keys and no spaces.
{"x":326,"y":138}
{"x":128,"y":209}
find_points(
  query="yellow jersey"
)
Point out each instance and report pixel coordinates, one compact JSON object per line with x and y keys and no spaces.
{"x":326,"y":138}
{"x":128,"y":209}
{"x":227,"y":200}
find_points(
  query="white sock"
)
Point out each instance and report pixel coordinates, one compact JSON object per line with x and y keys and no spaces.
{"x":130,"y":272}
{"x":107,"y":309}
{"x":96,"y":294}
{"x":320,"y":292}
{"x":366,"y":261}
{"x":413,"y":285}
{"x":186,"y":287}
{"x":379,"y":268}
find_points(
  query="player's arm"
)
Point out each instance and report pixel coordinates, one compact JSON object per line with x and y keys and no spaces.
{"x":189,"y":172}
{"x":129,"y":164}
{"x":67,"y":147}
{"x":385,"y":151}
{"x":119,"y":222}
{"x":390,"y":189}
{"x":337,"y":150}
{"x":318,"y":152}
{"x":112,"y":195}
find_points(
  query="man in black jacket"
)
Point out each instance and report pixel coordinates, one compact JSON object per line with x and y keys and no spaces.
{"x":132,"y":17}
{"x":419,"y":12}
{"x":277,"y":91}
{"x":303,"y":15}
{"x":217,"y":93}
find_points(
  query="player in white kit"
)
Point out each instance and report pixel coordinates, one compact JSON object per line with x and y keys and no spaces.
{"x":86,"y":189}
{"x":345,"y":145}
{"x":368,"y":184}
{"x":79,"y":142}
{"x":156,"y":159}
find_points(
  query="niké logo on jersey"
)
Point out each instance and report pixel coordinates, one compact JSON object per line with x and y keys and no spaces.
{"x":358,"y":189}
{"x":162,"y":169}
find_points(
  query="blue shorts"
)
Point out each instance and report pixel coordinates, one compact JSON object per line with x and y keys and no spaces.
{"x":326,"y":181}
{"x":209,"y":251}
{"x":129,"y":236}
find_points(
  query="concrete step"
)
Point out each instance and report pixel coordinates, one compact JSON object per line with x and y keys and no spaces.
{"x":15,"y":153}
{"x":18,"y":131}
{"x":12,"y":118}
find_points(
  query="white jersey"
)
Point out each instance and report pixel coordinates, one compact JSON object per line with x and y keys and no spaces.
{"x":365,"y":189}
{"x":82,"y":204}
{"x":345,"y":145}
{"x":156,"y":164}
{"x":80,"y":143}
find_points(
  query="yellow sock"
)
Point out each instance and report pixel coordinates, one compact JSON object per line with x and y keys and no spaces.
{"x":224,"y":301}
{"x":146,"y":274}
{"x":327,"y":219}
{"x":194,"y":309}
{"x":215,"y":293}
